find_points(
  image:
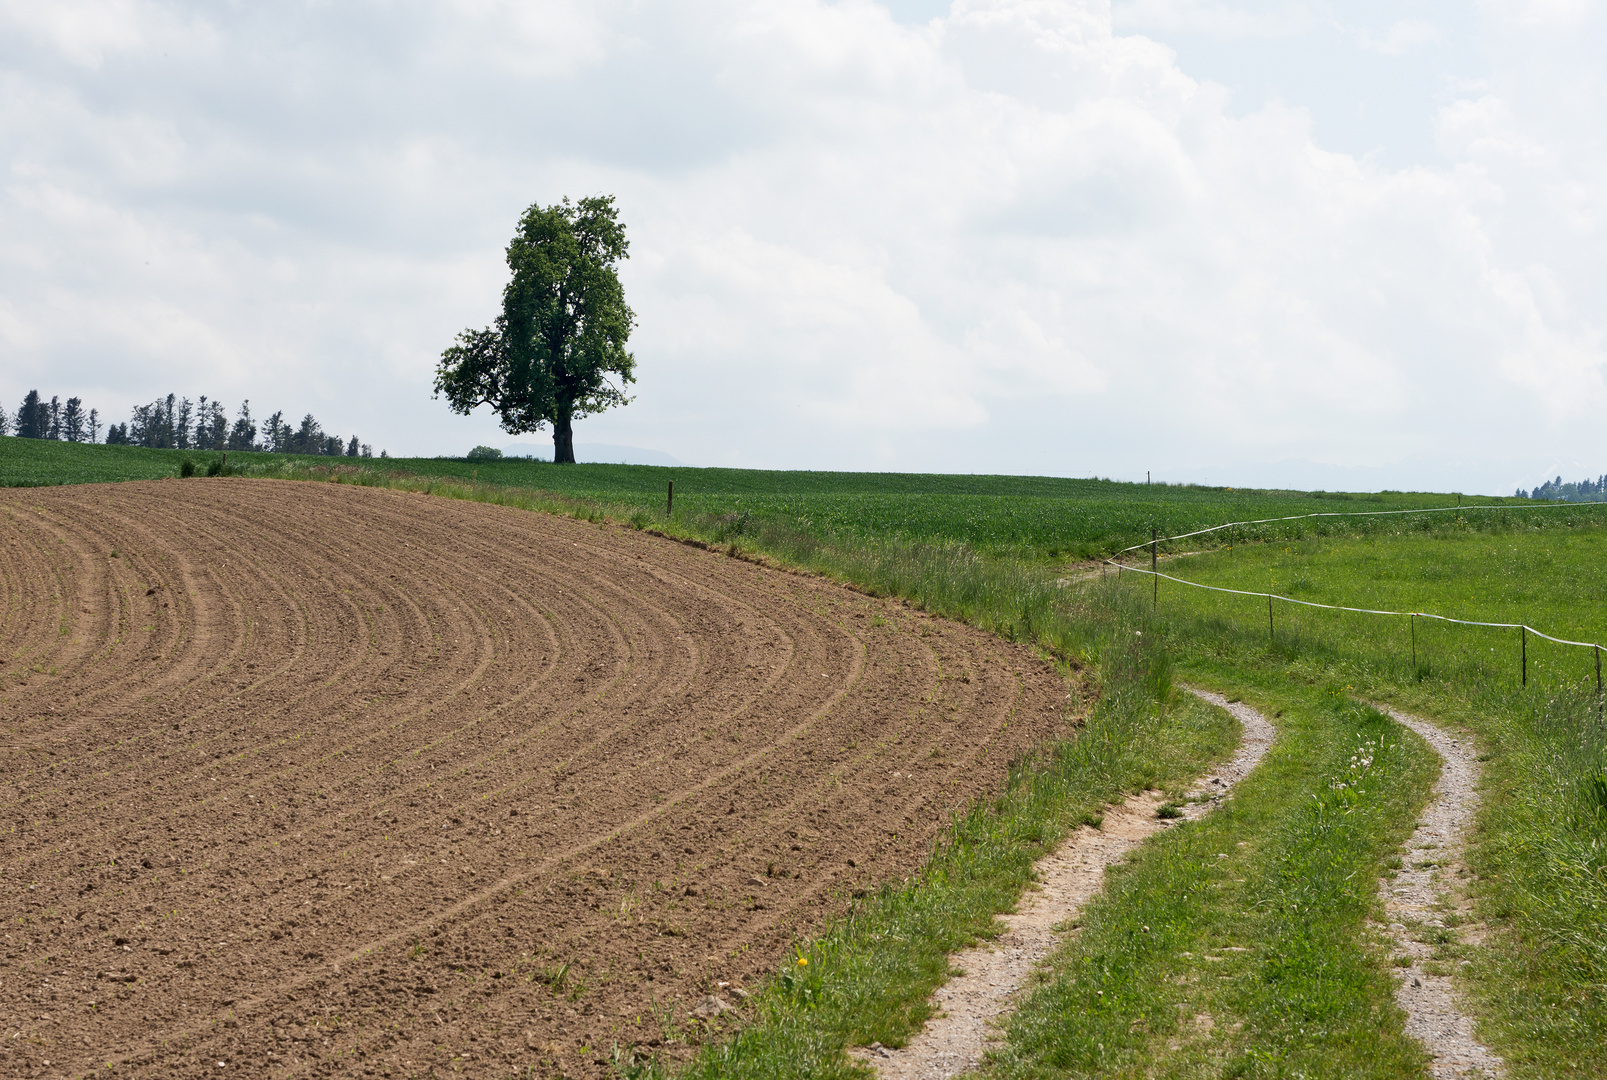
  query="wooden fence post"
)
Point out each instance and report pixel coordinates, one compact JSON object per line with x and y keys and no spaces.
{"x":669,"y":500}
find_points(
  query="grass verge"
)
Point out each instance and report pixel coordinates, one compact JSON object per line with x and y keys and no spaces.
{"x":1237,"y":945}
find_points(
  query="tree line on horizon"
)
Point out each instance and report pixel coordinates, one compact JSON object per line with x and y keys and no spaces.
{"x":1586,"y":490}
{"x":177,"y":423}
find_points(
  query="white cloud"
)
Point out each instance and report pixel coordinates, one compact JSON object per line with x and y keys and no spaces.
{"x":1403,"y":36}
{"x":1011,"y":238}
{"x":82,"y":33}
{"x":1216,"y":18}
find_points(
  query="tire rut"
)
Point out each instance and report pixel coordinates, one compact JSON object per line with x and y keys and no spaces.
{"x":1419,"y":896}
{"x":969,"y":1007}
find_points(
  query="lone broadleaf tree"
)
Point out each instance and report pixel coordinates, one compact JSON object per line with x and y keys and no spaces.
{"x":557,"y":353}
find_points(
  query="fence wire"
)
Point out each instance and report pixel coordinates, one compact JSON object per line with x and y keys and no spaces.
{"x":1152,"y":544}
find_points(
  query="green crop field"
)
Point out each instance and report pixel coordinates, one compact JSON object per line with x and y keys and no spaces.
{"x":45,"y":462}
{"x":1023,"y":516}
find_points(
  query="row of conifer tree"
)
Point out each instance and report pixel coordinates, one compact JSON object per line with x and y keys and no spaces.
{"x":177,"y":423}
{"x":1586,"y":490}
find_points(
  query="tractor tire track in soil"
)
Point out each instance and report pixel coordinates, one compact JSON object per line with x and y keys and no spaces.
{"x":1416,"y":900}
{"x":971,"y":1005}
{"x":311,"y":778}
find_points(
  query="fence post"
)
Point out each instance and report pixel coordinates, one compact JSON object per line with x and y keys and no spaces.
{"x":1598,"y":680}
{"x":669,"y":500}
{"x":1523,"y":645}
{"x":1414,"y":646}
{"x":1154,"y":571}
{"x":1269,"y":618}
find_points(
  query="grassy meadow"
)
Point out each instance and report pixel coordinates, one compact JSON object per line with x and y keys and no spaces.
{"x":1540,"y":852}
{"x":1298,"y":869}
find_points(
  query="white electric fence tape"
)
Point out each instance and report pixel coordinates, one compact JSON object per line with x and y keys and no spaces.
{"x":1340,"y":607}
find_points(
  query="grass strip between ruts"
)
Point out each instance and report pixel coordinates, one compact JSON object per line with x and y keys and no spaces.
{"x":1238,"y":945}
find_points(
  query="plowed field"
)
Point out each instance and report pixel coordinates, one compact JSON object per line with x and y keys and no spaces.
{"x":305,"y":778}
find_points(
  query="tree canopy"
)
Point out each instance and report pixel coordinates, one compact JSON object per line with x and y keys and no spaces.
{"x":557,"y":353}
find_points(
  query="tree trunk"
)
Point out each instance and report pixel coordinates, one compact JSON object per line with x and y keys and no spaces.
{"x":563,"y":441}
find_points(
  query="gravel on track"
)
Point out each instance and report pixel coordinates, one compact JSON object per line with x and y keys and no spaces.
{"x":310,"y":778}
{"x":971,"y":1007}
{"x":1417,"y":899}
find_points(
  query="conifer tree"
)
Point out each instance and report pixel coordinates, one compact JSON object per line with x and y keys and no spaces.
{"x":244,"y":434}
{"x":72,"y":420}
{"x":30,"y":417}
{"x":181,"y":425}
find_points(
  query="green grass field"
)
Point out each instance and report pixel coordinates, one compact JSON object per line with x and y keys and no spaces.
{"x":1024,"y":517}
{"x":1540,"y":853}
{"x":994,"y":552}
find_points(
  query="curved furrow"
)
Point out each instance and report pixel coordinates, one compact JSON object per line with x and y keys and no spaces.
{"x":87,"y":696}
{"x":166,"y":634}
{"x":812,"y":895}
{"x":423,"y":743}
{"x":172,"y":723}
{"x":580,"y":849}
{"x":314,"y":825}
{"x":601,"y":830}
{"x":756,"y":936}
{"x":192,"y":719}
{"x":40,"y":641}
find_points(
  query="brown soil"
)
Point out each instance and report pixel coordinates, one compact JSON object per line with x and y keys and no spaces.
{"x":306,"y":778}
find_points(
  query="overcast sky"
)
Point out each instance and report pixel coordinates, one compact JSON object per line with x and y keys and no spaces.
{"x":1341,"y":245}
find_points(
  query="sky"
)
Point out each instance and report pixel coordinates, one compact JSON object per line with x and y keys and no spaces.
{"x":1323,"y":245}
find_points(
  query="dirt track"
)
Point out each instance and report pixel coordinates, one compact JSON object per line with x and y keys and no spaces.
{"x":305,"y":778}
